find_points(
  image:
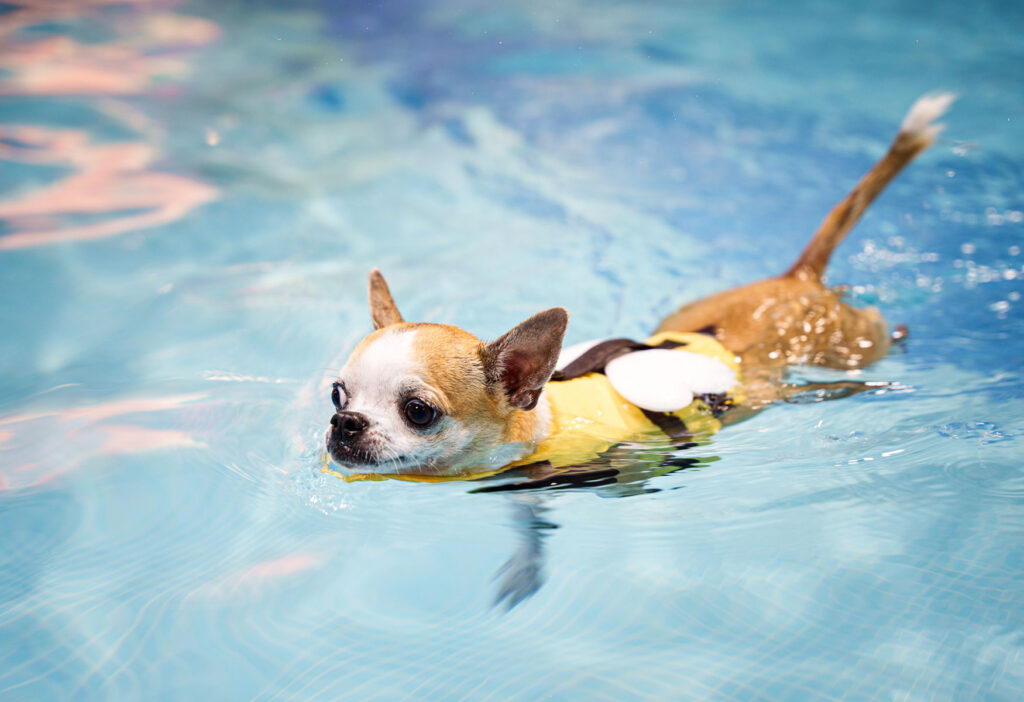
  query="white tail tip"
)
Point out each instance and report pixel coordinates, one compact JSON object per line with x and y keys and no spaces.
{"x":928,"y":108}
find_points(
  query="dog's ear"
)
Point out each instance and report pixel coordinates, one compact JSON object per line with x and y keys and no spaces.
{"x":522,"y":360}
{"x":382,"y":307}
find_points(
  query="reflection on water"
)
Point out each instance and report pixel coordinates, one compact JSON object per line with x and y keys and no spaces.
{"x":522,"y":574}
{"x":111,"y":182}
{"x":625,"y":470}
{"x":53,"y":442}
{"x":146,"y":47}
{"x":112,"y":185}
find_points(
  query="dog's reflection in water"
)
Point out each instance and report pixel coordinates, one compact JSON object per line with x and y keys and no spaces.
{"x":624,"y":470}
{"x":522,"y":575}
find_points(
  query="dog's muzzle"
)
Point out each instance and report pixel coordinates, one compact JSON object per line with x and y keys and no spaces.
{"x":348,"y":426}
{"x":344,"y":439}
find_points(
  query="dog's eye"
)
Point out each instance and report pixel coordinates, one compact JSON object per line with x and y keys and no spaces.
{"x":337,"y":396}
{"x":420,"y":413}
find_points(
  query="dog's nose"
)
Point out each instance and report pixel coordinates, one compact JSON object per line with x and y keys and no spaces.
{"x":348,"y":424}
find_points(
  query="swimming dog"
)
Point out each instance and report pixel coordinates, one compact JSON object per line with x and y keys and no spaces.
{"x":419,"y":399}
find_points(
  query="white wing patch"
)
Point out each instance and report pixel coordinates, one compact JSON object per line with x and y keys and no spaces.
{"x":664,"y":380}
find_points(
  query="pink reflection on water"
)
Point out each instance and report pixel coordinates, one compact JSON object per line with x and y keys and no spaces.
{"x":125,"y":438}
{"x":62,"y":66}
{"x":250,"y":581}
{"x":112,"y":186}
{"x":45,"y":445}
{"x":106,"y":410}
{"x":280,"y":567}
{"x":150,"y":46}
{"x":110,"y":179}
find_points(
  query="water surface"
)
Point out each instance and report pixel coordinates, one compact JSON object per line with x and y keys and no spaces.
{"x":191,"y":195}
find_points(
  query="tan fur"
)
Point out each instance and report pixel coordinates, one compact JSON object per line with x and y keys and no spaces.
{"x":383,"y":309}
{"x":452,"y":364}
{"x":787,"y":320}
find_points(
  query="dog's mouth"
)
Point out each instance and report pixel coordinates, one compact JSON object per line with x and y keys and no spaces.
{"x":348,"y":455}
{"x":356,"y":457}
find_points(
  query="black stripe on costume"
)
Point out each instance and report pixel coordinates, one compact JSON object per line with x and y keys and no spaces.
{"x":597,"y":357}
{"x":670,"y":424}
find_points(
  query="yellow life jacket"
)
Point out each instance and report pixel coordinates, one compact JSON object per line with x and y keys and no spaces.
{"x":588,"y":417}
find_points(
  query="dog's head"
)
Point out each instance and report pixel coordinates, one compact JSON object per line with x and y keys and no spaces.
{"x":434,"y":399}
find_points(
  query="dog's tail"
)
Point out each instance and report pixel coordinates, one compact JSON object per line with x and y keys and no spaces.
{"x":916,"y":134}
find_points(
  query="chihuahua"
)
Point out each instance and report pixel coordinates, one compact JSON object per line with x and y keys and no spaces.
{"x":432,"y":399}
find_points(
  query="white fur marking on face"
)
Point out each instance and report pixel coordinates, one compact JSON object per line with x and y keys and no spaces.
{"x":375,"y":376}
{"x":378,"y":381}
{"x":375,"y":381}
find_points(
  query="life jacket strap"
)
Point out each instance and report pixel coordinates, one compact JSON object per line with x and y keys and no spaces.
{"x":597,"y":357}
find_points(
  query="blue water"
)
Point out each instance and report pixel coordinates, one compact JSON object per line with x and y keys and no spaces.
{"x":191,"y":196}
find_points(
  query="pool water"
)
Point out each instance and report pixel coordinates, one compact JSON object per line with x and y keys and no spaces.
{"x":191,"y":196}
